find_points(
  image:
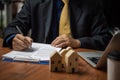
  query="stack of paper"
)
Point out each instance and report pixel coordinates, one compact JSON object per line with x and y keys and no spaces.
{"x":38,"y":52}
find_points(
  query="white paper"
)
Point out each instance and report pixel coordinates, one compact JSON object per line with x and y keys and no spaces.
{"x":38,"y":52}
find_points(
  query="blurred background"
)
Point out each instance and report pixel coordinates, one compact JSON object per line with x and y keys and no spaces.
{"x":9,"y":9}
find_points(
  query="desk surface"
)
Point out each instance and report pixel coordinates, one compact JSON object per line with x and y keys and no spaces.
{"x":1,"y":41}
{"x":29,"y":71}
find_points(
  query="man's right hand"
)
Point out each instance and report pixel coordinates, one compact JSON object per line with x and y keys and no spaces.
{"x":21,"y":42}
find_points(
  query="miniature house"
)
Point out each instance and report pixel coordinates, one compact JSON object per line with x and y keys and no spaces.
{"x":55,"y":62}
{"x":68,"y":48}
{"x":63,"y":53}
{"x":71,"y":59}
{"x":65,"y":60}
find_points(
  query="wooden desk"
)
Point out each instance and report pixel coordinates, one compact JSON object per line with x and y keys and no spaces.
{"x":28,"y":71}
{"x":1,"y":41}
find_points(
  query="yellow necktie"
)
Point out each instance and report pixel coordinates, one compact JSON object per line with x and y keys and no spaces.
{"x":64,"y":26}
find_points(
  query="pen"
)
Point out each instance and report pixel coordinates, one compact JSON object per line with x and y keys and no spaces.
{"x":19,"y":30}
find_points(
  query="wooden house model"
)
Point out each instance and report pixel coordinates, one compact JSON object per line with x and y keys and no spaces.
{"x":63,"y":53}
{"x":71,"y":60}
{"x":65,"y":60}
{"x":55,"y":63}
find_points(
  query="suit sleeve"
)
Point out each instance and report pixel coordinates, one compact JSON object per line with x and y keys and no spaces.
{"x":100,"y":34}
{"x":22,"y":20}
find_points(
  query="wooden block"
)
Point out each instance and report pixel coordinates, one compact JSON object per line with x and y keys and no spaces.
{"x":68,"y":48}
{"x":63,"y":53}
{"x":71,"y":60}
{"x":55,"y":63}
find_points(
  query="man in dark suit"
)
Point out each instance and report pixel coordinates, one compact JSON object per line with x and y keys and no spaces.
{"x":87,"y":24}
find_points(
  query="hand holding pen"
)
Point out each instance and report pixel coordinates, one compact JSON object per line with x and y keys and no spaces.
{"x":21,"y":42}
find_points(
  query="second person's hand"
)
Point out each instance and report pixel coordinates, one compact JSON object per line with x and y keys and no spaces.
{"x":21,"y":42}
{"x":65,"y":40}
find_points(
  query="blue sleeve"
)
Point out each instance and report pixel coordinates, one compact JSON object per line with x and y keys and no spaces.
{"x":9,"y":40}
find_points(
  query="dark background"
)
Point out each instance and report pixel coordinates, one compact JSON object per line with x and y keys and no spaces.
{"x":112,"y":12}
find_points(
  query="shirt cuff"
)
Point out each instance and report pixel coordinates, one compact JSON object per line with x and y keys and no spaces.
{"x":9,"y":40}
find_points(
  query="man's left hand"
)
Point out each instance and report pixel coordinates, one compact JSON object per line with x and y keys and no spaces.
{"x":66,"y":40}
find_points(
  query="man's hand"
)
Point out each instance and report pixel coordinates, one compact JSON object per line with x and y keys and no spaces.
{"x":21,"y":42}
{"x":65,"y":40}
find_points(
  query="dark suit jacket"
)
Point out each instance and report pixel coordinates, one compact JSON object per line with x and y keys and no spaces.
{"x":88,"y":23}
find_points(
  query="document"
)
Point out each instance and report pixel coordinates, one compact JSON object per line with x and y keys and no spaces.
{"x":38,"y":52}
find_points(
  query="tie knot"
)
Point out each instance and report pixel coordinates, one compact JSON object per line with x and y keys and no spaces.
{"x":65,"y":1}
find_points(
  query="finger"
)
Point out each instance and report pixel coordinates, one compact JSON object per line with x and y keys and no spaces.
{"x":17,"y":42}
{"x":59,"y":41}
{"x":62,"y":45}
{"x":20,"y":37}
{"x":54,"y":41}
{"x":18,"y":48}
{"x":58,"y":38}
{"x":28,"y":41}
